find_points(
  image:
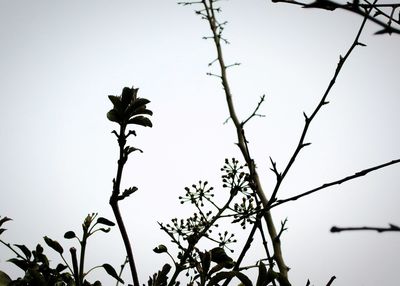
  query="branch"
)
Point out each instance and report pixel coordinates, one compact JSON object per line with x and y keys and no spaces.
{"x":331,"y":281}
{"x":355,"y":7}
{"x":308,"y":120}
{"x":337,"y":182}
{"x":255,"y":111}
{"x":242,"y":144}
{"x":391,"y":227}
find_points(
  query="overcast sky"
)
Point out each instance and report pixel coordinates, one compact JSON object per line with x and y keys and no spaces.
{"x":60,"y":60}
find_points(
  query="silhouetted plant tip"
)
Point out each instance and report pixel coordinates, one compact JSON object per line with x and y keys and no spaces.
{"x":127,"y":109}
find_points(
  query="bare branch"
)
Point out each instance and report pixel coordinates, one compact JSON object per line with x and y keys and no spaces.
{"x":255,"y":111}
{"x":337,"y":182}
{"x":331,"y":281}
{"x":309,"y":119}
{"x":391,"y":227}
{"x":242,"y":142}
{"x":233,"y":65}
{"x":359,"y":9}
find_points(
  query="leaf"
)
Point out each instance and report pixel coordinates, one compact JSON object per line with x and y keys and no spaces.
{"x":205,"y":259}
{"x":218,"y":255}
{"x":111,"y":271}
{"x":140,"y":102}
{"x":69,"y":234}
{"x":262,"y":275}
{"x":61,"y":267}
{"x":166,"y":268}
{"x":114,"y":116}
{"x":4,"y":279}
{"x":116,"y":101}
{"x":105,"y":229}
{"x":4,"y":219}
{"x":54,"y":244}
{"x":20,"y":263}
{"x":160,"y":249}
{"x":128,"y":95}
{"x":142,"y":110}
{"x":25,"y":250}
{"x":228,"y":275}
{"x":105,"y":221}
{"x":2,"y":230}
{"x":140,"y":120}
{"x":128,"y":192}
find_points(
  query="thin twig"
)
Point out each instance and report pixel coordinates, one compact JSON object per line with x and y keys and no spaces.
{"x":331,"y":281}
{"x":391,"y":227}
{"x":255,"y":111}
{"x":337,"y":182}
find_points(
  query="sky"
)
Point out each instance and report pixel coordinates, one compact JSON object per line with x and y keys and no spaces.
{"x":60,"y":60}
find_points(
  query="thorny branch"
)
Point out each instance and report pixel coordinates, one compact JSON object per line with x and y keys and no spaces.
{"x":308,"y":119}
{"x":368,"y":10}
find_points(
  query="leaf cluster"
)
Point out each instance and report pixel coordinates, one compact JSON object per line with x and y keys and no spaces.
{"x":129,"y":109}
{"x":37,"y":268}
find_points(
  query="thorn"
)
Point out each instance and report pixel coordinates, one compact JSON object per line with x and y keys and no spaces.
{"x":115,"y":132}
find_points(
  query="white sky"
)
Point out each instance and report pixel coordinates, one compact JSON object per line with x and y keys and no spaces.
{"x":60,"y":60}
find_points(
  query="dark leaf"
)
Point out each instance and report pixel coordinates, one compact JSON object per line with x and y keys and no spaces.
{"x":140,"y":102}
{"x":140,"y":120}
{"x":25,"y":250}
{"x":322,"y":4}
{"x":4,"y":219}
{"x":61,"y":267}
{"x":116,"y":101}
{"x":142,"y":110}
{"x":262,"y":275}
{"x":205,"y":261}
{"x":130,"y":149}
{"x":128,"y":95}
{"x":160,"y":249}
{"x":111,"y":271}
{"x":4,"y":279}
{"x":128,"y":192}
{"x":218,"y":255}
{"x":54,"y":244}
{"x":114,"y":116}
{"x":20,"y":263}
{"x":39,"y":249}
{"x":166,"y":268}
{"x":105,"y":229}
{"x":105,"y":221}
{"x":228,"y":275}
{"x":69,"y":234}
